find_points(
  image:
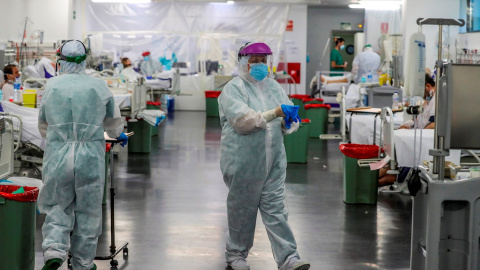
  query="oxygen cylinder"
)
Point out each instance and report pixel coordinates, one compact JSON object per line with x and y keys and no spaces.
{"x":415,"y":76}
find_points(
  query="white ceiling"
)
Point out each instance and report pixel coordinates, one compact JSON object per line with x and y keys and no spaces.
{"x":308,"y":2}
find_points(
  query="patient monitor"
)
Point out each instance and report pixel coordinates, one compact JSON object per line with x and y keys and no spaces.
{"x":464,"y":97}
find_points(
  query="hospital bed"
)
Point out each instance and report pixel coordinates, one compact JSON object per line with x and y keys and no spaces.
{"x":162,"y":85}
{"x":329,"y":91}
{"x":24,"y":158}
{"x":131,"y":97}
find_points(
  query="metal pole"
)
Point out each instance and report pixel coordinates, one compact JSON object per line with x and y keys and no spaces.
{"x":439,"y":161}
{"x":21,"y":44}
{"x":112,"y":202}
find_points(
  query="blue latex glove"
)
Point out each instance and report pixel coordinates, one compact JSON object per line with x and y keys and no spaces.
{"x":124,"y":139}
{"x":291,"y":114}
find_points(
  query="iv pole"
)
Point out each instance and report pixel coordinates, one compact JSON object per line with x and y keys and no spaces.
{"x":439,"y":151}
{"x":23,"y":39}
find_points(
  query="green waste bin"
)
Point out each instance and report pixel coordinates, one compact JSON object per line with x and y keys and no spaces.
{"x":298,"y":101}
{"x":141,"y":141}
{"x":360,"y":184}
{"x":296,"y":144}
{"x":153,"y":106}
{"x":318,"y":115}
{"x":17,"y":228}
{"x":211,"y":99}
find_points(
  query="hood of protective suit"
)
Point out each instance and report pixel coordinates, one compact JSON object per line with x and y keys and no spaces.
{"x":368,"y":49}
{"x":72,"y":49}
{"x":244,"y":72}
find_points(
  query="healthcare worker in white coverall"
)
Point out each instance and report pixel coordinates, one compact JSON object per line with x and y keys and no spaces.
{"x":255,"y":113}
{"x":364,"y":63}
{"x":75,"y":112}
{"x":149,"y":66}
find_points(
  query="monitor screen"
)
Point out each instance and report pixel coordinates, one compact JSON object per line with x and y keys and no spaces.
{"x":210,"y":66}
{"x":464,"y":81}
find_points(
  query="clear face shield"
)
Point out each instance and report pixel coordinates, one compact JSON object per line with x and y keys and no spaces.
{"x":259,"y":66}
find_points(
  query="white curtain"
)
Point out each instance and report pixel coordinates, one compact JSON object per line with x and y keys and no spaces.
{"x":193,"y":31}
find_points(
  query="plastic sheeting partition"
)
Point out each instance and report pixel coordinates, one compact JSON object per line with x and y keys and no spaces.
{"x":374,"y":19}
{"x":193,"y":31}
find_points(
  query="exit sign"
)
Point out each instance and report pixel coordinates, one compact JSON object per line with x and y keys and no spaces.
{"x":289,"y":27}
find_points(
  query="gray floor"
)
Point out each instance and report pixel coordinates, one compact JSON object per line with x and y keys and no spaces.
{"x":171,"y":207}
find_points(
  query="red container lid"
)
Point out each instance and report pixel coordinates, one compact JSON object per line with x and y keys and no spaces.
{"x":309,"y":106}
{"x":30,"y":194}
{"x":299,"y":96}
{"x":212,"y":94}
{"x":312,"y":99}
{"x":154,"y":103}
{"x":359,"y":151}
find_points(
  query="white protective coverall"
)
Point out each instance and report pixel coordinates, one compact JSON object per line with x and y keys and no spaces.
{"x":76,"y":110}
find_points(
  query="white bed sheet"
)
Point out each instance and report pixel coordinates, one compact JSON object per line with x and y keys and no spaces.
{"x":30,"y":132}
{"x":158,"y":84}
{"x":123,"y":100}
{"x":404,"y":142}
{"x":361,"y":131}
{"x":335,"y":86}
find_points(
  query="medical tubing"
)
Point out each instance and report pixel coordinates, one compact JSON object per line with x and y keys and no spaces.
{"x":414,"y":140}
{"x":474,"y":155}
{"x":269,"y":115}
{"x":421,"y":137}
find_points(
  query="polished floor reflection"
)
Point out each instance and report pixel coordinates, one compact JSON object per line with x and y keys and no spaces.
{"x":171,"y":208}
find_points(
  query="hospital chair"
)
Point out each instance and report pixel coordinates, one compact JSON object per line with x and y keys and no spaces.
{"x":387,"y":140}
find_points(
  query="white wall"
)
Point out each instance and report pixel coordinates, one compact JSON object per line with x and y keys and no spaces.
{"x":413,"y":9}
{"x":48,"y":15}
{"x":298,"y":39}
{"x":321,"y":22}
{"x":12,"y":20}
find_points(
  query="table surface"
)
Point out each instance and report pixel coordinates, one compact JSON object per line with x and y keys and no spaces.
{"x":369,"y":110}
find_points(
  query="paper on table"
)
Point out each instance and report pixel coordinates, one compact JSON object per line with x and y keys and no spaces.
{"x":380,"y":164}
{"x":107,"y":138}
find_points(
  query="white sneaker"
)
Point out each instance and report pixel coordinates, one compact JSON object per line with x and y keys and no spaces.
{"x":240,"y":264}
{"x":295,"y":263}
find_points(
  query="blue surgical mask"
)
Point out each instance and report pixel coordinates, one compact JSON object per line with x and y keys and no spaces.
{"x":146,"y":58}
{"x":342,"y":47}
{"x":259,"y":71}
